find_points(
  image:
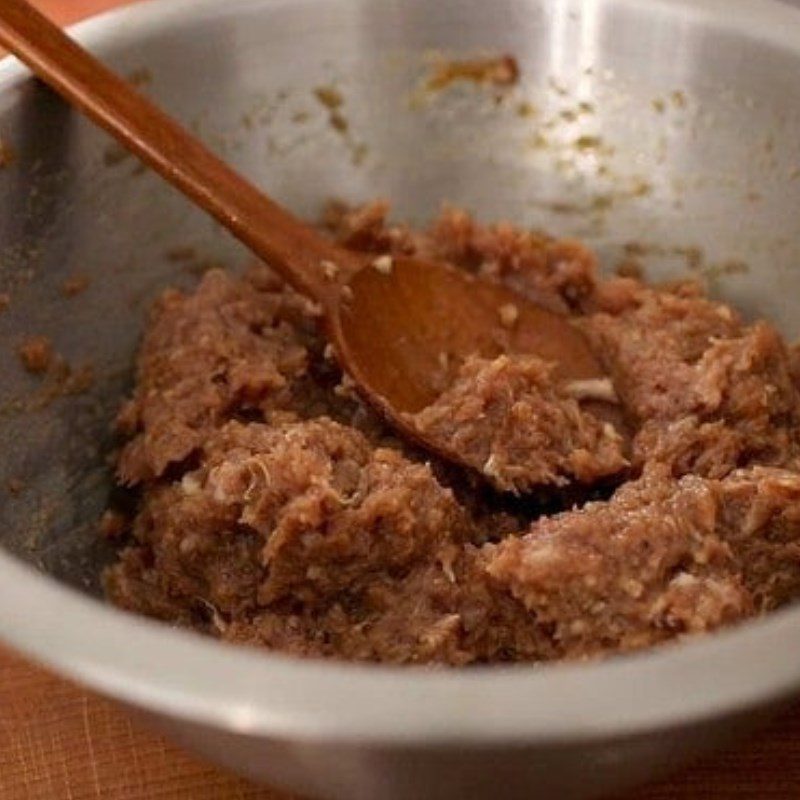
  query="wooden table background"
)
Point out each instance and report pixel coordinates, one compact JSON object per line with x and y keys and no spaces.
{"x":58,"y":742}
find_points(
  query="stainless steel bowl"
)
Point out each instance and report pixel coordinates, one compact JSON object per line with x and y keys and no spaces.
{"x":668,"y":125}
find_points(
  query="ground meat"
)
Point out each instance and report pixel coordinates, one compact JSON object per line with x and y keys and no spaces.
{"x":321,"y":507}
{"x":651,"y":343}
{"x":75,"y":285}
{"x":442,"y":612}
{"x":629,"y":573}
{"x":559,"y":274}
{"x":230,"y":347}
{"x":36,"y":354}
{"x":510,"y":420}
{"x":275,"y":510}
{"x":661,"y":558}
{"x":112,"y":524}
{"x":706,"y":393}
{"x":499,"y":71}
{"x":759,"y":517}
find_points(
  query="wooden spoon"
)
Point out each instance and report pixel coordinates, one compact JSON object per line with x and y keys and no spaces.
{"x":389,"y":321}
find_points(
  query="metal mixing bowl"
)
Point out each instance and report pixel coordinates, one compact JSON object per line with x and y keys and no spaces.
{"x":667,"y":126}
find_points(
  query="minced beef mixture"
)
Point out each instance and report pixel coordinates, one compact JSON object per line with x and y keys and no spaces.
{"x":512,"y":421}
{"x":275,"y":509}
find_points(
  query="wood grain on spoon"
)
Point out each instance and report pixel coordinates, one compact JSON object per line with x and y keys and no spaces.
{"x":390,"y":324}
{"x":400,"y":326}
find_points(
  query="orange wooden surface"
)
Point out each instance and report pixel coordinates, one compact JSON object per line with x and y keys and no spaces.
{"x":58,"y":742}
{"x":66,"y":11}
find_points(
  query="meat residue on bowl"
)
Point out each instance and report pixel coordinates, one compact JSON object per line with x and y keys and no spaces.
{"x":497,"y":71}
{"x":275,"y":509}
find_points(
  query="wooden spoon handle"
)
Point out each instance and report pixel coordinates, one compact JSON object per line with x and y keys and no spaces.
{"x":271,"y":232}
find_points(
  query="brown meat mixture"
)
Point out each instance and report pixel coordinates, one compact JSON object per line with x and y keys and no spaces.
{"x":276,"y":510}
{"x":510,"y":420}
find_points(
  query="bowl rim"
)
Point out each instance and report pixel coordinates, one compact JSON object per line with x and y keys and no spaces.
{"x":177,"y":673}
